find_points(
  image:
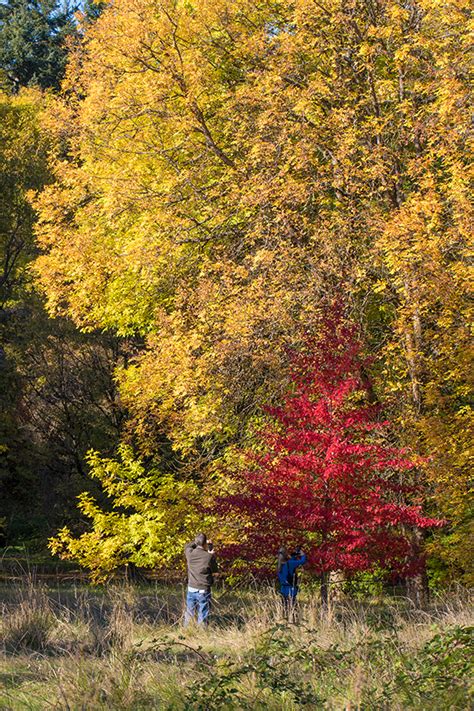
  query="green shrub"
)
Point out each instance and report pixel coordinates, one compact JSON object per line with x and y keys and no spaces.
{"x":440,"y":675}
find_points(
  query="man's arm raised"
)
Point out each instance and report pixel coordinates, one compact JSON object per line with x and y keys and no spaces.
{"x":188,"y":548}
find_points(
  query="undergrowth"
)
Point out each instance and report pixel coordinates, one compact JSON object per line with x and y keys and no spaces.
{"x":126,"y":649}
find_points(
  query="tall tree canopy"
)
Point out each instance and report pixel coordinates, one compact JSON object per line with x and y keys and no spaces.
{"x":23,"y":154}
{"x":228,"y":164}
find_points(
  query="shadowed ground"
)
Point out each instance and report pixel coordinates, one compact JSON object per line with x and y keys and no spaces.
{"x":124,"y":647}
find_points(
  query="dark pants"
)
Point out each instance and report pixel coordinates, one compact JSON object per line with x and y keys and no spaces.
{"x":288,"y":597}
{"x":200,"y":602}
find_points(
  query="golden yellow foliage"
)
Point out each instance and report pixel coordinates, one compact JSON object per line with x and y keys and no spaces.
{"x":232,"y":165}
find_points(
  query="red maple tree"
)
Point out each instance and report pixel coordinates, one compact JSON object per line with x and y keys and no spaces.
{"x":328,"y":479}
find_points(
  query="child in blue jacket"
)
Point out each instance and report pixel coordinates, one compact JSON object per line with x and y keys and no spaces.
{"x":288,"y":577}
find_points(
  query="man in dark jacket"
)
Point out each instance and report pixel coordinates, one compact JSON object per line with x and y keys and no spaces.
{"x":201,"y":562}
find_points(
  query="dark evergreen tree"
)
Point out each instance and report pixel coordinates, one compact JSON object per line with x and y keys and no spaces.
{"x":92,"y":10}
{"x":33,"y":45}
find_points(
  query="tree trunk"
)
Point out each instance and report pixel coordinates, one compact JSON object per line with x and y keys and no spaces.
{"x":336,"y":582}
{"x":418,"y":591}
{"x":417,"y":587}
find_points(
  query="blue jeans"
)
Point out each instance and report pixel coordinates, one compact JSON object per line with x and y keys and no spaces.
{"x":201,"y":601}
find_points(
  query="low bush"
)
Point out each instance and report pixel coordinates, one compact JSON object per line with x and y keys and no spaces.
{"x":29,"y":626}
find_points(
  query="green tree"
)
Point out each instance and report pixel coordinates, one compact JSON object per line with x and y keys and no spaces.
{"x":153,"y":514}
{"x":57,"y":393}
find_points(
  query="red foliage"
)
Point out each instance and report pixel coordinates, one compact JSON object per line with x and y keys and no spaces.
{"x":327,"y":479}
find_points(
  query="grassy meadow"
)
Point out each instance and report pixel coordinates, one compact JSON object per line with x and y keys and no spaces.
{"x":79,"y":648}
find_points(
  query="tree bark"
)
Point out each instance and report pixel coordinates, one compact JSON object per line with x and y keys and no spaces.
{"x":336,"y":581}
{"x":417,"y":587}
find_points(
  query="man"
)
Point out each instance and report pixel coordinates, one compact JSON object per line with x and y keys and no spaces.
{"x":288,"y":578}
{"x":201,"y":562}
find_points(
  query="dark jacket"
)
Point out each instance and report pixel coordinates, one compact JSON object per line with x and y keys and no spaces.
{"x":287,"y":571}
{"x":201,"y":566}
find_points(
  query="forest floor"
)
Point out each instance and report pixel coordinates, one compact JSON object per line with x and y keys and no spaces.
{"x":79,"y":648}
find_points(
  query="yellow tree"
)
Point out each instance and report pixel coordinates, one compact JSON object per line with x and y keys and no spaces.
{"x":228,"y":166}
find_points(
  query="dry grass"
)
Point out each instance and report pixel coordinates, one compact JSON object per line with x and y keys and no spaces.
{"x":126,"y":649}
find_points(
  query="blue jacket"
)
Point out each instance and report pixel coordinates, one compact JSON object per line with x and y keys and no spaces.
{"x":287,"y":574}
